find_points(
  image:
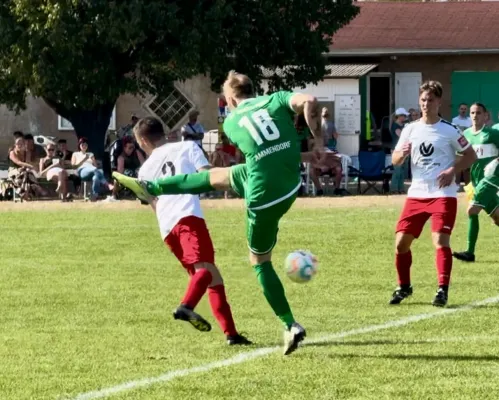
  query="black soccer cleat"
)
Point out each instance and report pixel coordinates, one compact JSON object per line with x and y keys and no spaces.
{"x":197,"y":321}
{"x":400,"y":294}
{"x":238,"y":340}
{"x":464,"y":256}
{"x":440,"y":299}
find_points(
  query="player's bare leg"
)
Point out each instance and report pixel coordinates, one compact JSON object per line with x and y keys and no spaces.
{"x":294,"y":332}
{"x":473,"y":229}
{"x":441,"y":241}
{"x":403,"y":262}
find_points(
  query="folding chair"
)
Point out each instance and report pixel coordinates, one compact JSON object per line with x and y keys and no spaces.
{"x":371,"y":170}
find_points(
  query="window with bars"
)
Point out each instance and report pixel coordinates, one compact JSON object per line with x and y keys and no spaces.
{"x":172,"y":108}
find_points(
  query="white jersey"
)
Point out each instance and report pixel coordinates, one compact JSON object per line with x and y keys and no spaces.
{"x":168,"y":160}
{"x":434,"y":149}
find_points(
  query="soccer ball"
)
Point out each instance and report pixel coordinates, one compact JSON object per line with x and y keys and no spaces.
{"x":301,"y":266}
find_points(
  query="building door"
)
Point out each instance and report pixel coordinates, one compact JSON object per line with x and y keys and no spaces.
{"x":470,"y":87}
{"x":407,"y":89}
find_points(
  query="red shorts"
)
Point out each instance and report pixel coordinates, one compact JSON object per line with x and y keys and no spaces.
{"x":442,"y":210}
{"x":191,"y":243}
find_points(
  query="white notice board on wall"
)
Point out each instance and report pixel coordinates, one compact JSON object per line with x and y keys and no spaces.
{"x":347,"y":114}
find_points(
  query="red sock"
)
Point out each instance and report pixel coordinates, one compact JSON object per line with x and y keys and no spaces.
{"x":221,"y":309}
{"x":444,"y":265}
{"x":403,"y":262}
{"x":197,"y":287}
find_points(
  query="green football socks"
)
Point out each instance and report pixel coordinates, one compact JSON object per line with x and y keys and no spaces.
{"x":181,"y":184}
{"x":473,"y":229}
{"x":274,"y":292}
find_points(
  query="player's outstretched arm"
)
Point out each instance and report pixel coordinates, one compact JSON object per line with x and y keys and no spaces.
{"x":309,"y":106}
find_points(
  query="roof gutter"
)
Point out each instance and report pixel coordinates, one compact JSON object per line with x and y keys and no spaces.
{"x":410,"y":52}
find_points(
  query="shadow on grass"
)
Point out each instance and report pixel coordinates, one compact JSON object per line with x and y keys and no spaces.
{"x":424,"y":357}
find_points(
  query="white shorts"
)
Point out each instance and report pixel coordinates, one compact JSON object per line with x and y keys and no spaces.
{"x":53,"y":172}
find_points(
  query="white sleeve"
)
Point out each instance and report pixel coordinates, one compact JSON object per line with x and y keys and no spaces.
{"x":458,"y":141}
{"x":197,"y":156}
{"x":141,"y":174}
{"x":404,"y":138}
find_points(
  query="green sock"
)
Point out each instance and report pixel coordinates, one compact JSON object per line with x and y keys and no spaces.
{"x":181,"y":184}
{"x":274,"y":292}
{"x":473,"y":228}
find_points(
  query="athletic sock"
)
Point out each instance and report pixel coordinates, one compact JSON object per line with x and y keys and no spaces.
{"x":198,"y":284}
{"x":403,"y":262}
{"x":444,"y":265}
{"x":274,"y":292}
{"x":221,"y":309}
{"x":196,"y":183}
{"x":473,"y":229}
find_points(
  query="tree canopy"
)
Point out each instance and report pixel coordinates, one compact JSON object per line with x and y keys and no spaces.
{"x":81,"y":55}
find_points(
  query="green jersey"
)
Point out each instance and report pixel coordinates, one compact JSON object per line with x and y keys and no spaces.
{"x":486,"y":145}
{"x":263,"y":129}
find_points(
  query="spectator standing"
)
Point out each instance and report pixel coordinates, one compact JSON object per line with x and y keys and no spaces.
{"x":397,"y":185}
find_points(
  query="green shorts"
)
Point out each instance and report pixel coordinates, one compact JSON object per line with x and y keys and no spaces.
{"x":486,"y":195}
{"x":261,"y":225}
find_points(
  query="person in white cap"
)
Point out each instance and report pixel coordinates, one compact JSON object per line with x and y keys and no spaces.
{"x":399,"y":171}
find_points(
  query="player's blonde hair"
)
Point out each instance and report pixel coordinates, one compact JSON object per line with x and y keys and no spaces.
{"x":240,"y":85}
{"x":433,"y":87}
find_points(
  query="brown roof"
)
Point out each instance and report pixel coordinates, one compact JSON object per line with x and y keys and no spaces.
{"x":332,"y":70}
{"x":398,"y":26}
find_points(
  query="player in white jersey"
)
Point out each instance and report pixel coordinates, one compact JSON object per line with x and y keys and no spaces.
{"x":183,"y":228}
{"x":438,"y":152}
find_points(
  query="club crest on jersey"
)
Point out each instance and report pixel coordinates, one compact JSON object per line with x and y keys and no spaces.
{"x":426,"y":150}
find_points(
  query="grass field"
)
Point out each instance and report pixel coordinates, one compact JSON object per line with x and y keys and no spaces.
{"x":87,"y":293}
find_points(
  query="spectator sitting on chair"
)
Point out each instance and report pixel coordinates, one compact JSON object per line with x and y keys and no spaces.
{"x":65,"y":156}
{"x":33,"y":151}
{"x":330,"y":164}
{"x":53,"y":168}
{"x":128,"y":162}
{"x":86,"y":167}
{"x":22,"y":174}
{"x":225,"y":154}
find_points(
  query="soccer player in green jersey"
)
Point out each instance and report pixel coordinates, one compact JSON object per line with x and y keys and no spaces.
{"x":484,"y":176}
{"x":262,"y":128}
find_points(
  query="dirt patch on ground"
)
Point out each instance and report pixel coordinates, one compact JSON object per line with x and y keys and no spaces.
{"x":315,"y":202}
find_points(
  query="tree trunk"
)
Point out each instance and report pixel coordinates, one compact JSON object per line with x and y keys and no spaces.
{"x":91,"y":124}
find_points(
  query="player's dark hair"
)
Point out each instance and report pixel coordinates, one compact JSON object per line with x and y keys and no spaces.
{"x":29,"y":136}
{"x":433,"y":87}
{"x":62,"y":141}
{"x":484,"y":109}
{"x":150,"y":128}
{"x":18,"y":134}
{"x":241,"y":85}
{"x":463,"y":104}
